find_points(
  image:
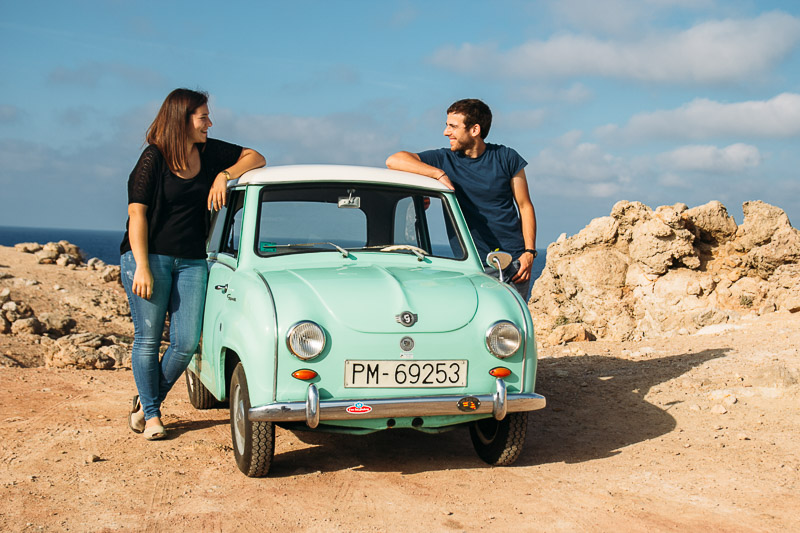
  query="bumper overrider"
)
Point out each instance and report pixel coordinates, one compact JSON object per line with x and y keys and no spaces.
{"x":313,"y":410}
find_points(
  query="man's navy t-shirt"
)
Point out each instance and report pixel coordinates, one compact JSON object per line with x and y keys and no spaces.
{"x":483,"y":189}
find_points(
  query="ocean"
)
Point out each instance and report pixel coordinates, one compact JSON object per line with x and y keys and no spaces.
{"x":104,"y":245}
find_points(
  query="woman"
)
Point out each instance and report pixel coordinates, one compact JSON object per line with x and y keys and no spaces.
{"x":180,"y":177}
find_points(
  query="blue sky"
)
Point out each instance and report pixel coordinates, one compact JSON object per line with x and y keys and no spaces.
{"x":658,"y":101}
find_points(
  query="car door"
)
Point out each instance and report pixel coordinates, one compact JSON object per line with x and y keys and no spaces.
{"x":223,"y":253}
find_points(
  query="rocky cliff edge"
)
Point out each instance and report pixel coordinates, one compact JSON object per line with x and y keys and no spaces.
{"x":642,"y":273}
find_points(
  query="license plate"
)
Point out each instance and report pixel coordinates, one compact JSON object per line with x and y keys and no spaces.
{"x":411,"y":374}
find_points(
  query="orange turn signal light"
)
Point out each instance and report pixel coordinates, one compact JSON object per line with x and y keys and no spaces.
{"x":304,"y":374}
{"x":500,"y":372}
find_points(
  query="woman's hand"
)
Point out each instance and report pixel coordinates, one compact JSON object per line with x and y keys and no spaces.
{"x":217,"y":196}
{"x":143,"y":282}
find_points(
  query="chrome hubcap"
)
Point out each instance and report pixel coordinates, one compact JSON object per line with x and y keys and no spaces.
{"x":238,"y":419}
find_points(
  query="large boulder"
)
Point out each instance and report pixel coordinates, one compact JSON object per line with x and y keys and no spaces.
{"x":82,"y":351}
{"x":642,"y":273}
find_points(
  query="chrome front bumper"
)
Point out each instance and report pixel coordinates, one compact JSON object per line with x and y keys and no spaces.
{"x":313,"y":410}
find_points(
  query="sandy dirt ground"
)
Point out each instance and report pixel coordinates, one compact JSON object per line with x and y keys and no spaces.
{"x":693,"y":433}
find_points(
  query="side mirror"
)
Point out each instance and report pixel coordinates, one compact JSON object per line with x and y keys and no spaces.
{"x":499,"y":260}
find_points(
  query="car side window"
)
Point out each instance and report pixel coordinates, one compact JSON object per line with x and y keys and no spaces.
{"x":215,"y":235}
{"x":233,"y":224}
{"x":405,"y":222}
{"x":423,"y":222}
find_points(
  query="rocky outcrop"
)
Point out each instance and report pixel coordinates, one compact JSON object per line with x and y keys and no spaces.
{"x":86,"y":351}
{"x":56,"y":329}
{"x":643,"y":273}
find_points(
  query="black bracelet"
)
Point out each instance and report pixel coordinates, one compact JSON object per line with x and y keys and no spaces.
{"x":529,"y":251}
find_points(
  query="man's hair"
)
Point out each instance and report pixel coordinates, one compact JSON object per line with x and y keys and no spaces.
{"x":171,"y":125}
{"x":475,"y":112}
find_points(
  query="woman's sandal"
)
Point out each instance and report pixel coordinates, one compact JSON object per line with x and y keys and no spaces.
{"x":155,"y":432}
{"x":136,"y":416}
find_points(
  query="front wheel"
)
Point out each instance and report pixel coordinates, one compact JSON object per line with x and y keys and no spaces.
{"x":253,"y":442}
{"x":499,"y":442}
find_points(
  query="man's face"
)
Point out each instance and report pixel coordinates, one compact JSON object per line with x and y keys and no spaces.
{"x":461,"y":137}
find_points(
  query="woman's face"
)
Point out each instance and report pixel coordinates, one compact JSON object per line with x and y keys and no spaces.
{"x":199,"y":122}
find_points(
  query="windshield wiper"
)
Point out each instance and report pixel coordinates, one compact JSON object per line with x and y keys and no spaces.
{"x":419,"y":252}
{"x":341,"y":250}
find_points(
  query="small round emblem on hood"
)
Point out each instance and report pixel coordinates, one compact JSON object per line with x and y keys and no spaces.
{"x":406,"y":344}
{"x":406,"y":318}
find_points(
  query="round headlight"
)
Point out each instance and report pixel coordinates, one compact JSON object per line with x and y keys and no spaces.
{"x":306,"y":340}
{"x":503,"y":339}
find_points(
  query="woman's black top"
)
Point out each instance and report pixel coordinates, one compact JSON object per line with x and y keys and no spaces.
{"x":177,"y":208}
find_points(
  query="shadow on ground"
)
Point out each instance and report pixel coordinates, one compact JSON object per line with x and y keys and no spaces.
{"x":595,"y":407}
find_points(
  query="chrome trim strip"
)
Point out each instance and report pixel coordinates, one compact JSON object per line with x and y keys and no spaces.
{"x":500,"y":400}
{"x":312,"y":406}
{"x":275,"y":351}
{"x":393,"y":408}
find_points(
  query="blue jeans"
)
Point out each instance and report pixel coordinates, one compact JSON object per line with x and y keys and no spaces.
{"x":179,"y":287}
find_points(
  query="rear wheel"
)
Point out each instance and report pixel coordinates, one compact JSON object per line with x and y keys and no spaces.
{"x":499,"y":442}
{"x":253,"y":442}
{"x":199,"y":395}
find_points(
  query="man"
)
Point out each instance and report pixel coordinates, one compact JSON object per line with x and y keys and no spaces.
{"x":490,"y":184}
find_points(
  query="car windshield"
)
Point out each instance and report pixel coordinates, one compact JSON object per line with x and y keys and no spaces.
{"x":340,"y":218}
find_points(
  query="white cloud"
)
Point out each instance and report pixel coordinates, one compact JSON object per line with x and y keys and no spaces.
{"x":404,"y":15}
{"x":673,"y":180}
{"x":345,"y":138}
{"x":735,"y":158}
{"x":9,"y":114}
{"x":778,"y":117}
{"x":710,"y":52}
{"x":518,"y":120}
{"x":571,"y":168}
{"x":93,"y":73}
{"x":574,"y":94}
{"x":617,"y":16}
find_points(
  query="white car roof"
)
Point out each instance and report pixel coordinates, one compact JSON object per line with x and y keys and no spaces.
{"x":318,"y":173}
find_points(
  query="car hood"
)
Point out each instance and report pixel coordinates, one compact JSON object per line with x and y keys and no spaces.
{"x":371,"y":298}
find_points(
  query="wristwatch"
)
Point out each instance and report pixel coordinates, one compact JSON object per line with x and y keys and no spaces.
{"x":532,"y":252}
{"x":227,"y":175}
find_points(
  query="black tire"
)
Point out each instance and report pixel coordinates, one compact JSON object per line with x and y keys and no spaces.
{"x":199,"y":395}
{"x":499,"y":443}
{"x":253,"y":442}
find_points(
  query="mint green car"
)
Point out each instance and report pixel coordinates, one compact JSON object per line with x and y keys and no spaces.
{"x":352,"y":299}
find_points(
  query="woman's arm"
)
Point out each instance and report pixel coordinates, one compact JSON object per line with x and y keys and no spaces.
{"x":137,"y":235}
{"x":248,"y":160}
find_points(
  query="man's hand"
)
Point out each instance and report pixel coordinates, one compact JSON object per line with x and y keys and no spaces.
{"x":525,"y":265}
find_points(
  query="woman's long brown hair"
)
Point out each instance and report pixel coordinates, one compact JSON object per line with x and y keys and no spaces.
{"x":169,"y":129}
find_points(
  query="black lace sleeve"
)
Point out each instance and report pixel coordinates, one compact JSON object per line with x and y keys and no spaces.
{"x":218,"y":155}
{"x":144,"y":177}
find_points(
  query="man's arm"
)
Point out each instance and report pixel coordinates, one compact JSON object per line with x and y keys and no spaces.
{"x":519,"y":187}
{"x":410,"y":162}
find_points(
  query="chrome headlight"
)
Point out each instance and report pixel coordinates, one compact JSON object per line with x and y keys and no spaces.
{"x":503,"y":339}
{"x":306,"y":340}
